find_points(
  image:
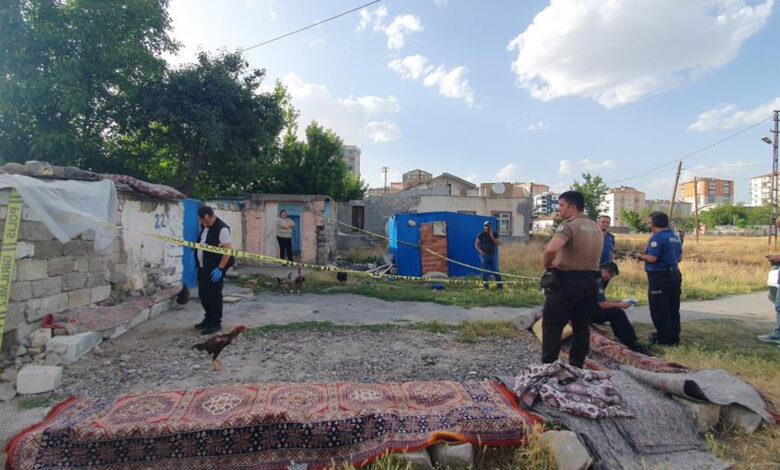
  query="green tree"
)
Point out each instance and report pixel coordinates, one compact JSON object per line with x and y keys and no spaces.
{"x":634,"y":221}
{"x":211,"y":131}
{"x":593,"y":189}
{"x":70,"y":71}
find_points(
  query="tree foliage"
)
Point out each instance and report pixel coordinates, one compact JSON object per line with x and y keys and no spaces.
{"x":634,"y":221}
{"x":593,"y":189}
{"x":68,"y":70}
{"x":736,"y":214}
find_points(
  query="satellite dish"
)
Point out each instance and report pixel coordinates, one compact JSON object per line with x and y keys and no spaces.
{"x":498,"y":188}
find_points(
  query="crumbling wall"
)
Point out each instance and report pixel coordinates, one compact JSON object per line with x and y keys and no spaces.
{"x":51,"y":277}
{"x":143,"y":263}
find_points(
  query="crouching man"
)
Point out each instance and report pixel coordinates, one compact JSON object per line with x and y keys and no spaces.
{"x":611,"y":311}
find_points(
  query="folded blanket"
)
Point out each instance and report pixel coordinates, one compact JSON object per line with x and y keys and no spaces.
{"x":567,"y":388}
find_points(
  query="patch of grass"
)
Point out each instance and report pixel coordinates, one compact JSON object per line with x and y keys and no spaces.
{"x":472,"y":331}
{"x":316,"y":326}
{"x":748,"y":451}
{"x":38,"y":401}
{"x":365,"y":255}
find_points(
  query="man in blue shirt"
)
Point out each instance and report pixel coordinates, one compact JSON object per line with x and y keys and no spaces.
{"x":486,"y":245}
{"x":609,"y":239}
{"x":661,"y":258}
{"x":611,"y":311}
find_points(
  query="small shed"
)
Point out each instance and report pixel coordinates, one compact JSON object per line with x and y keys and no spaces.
{"x":449,"y":234}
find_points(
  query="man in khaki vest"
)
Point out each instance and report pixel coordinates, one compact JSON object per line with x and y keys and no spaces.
{"x":570,"y":283}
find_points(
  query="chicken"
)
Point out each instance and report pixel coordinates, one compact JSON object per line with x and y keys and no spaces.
{"x":297,"y":282}
{"x":217,"y":343}
{"x":342,"y":277}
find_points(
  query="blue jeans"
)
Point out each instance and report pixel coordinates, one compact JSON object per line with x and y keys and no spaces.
{"x":490,"y":262}
{"x":776,"y":332}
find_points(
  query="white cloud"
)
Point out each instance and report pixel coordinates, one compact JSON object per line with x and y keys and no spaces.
{"x":451,"y":83}
{"x":537,"y":126}
{"x":591,"y":165}
{"x":357,"y":120}
{"x":510,"y":172}
{"x":564,"y":167}
{"x":266,"y":6}
{"x":317,"y":42}
{"x":411,"y":67}
{"x":615,"y":52}
{"x":729,"y":117}
{"x":383,"y":131}
{"x":396,"y":31}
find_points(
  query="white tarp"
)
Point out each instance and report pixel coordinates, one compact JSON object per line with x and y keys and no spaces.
{"x":69,"y":208}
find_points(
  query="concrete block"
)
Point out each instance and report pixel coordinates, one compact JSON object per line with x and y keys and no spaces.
{"x":79,"y":298}
{"x":21,"y":291}
{"x":60,"y":265}
{"x":35,"y":309}
{"x":72,"y":347}
{"x":414,"y":460}
{"x":40,"y":337}
{"x":452,"y":455}
{"x":101,"y":293}
{"x":569,"y":452}
{"x":31,"y":269}
{"x":527,"y":317}
{"x":49,"y":249}
{"x":34,"y":231}
{"x":77,"y":248}
{"x":38,"y":379}
{"x":72,"y":281}
{"x":25,"y":250}
{"x":119,"y":330}
{"x":81,"y":265}
{"x":96,"y":279}
{"x":159,"y":308}
{"x":705,"y":415}
{"x":47,"y":287}
{"x":8,"y":375}
{"x":96,"y":264}
{"x":14,"y":315}
{"x":742,"y":418}
{"x":53,"y":359}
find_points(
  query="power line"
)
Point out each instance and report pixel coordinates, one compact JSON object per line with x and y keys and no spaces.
{"x":311,"y":25}
{"x":695,"y":152}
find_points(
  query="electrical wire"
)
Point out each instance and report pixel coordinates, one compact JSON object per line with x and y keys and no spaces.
{"x":311,"y":25}
{"x":691,"y":154}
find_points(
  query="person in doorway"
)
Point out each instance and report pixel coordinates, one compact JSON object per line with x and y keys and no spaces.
{"x":612,"y":311}
{"x":211,"y":268}
{"x":284,"y":234}
{"x":774,"y":336}
{"x":662,"y":256}
{"x":486,"y":245}
{"x":609,"y":239}
{"x":570,"y":283}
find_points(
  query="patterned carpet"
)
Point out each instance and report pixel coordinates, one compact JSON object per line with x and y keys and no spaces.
{"x":267,"y":426}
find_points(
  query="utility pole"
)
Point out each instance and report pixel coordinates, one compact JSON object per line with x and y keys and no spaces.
{"x":696,"y":207}
{"x":674,"y":192}
{"x":385,"y":169}
{"x":774,"y":178}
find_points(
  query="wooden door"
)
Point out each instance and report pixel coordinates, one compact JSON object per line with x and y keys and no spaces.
{"x":433,"y":236}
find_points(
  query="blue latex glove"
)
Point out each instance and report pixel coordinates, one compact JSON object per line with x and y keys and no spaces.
{"x":216,"y":275}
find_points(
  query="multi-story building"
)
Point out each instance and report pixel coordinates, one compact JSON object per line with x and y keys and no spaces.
{"x":710,"y":190}
{"x":533,"y":189}
{"x":413,"y":177}
{"x":351,"y":158}
{"x":545,"y":204}
{"x":680,"y":207}
{"x":620,"y":199}
{"x":761,"y":190}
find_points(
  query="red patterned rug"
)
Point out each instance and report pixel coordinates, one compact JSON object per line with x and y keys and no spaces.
{"x":267,"y":426}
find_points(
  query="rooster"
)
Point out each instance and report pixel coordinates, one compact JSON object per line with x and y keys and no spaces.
{"x":341,"y":276}
{"x":216,"y":344}
{"x":297,"y":282}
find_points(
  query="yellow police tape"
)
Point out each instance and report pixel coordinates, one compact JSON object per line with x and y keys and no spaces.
{"x":13,"y":219}
{"x":402,"y":242}
{"x":270,"y":259}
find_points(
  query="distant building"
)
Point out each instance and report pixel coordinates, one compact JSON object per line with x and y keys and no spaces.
{"x":533,"y":189}
{"x":411,"y":178}
{"x":545,"y":204}
{"x":680,"y":207}
{"x":620,"y":199}
{"x":543,"y":224}
{"x":457,"y":186}
{"x":761,"y":190}
{"x":351,"y":158}
{"x":711,"y":191}
{"x":512,"y":189}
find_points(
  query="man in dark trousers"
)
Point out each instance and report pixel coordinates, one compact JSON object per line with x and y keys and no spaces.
{"x":570,"y":283}
{"x":604,"y":222}
{"x":611,"y":311}
{"x":662,"y":256}
{"x":486,"y":244}
{"x":211,"y":268}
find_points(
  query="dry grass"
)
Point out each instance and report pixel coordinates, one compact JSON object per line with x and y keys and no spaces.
{"x":716,"y":266}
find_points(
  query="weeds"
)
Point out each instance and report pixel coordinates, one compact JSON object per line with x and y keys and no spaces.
{"x":39,"y":401}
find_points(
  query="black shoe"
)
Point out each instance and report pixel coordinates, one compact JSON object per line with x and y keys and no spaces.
{"x":652,"y":338}
{"x":211,"y":329}
{"x":638,"y":348}
{"x":201,"y":325}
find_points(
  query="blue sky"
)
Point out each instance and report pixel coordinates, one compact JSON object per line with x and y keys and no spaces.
{"x":519,"y":90}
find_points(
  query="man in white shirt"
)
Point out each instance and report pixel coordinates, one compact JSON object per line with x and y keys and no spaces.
{"x":211,"y":268}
